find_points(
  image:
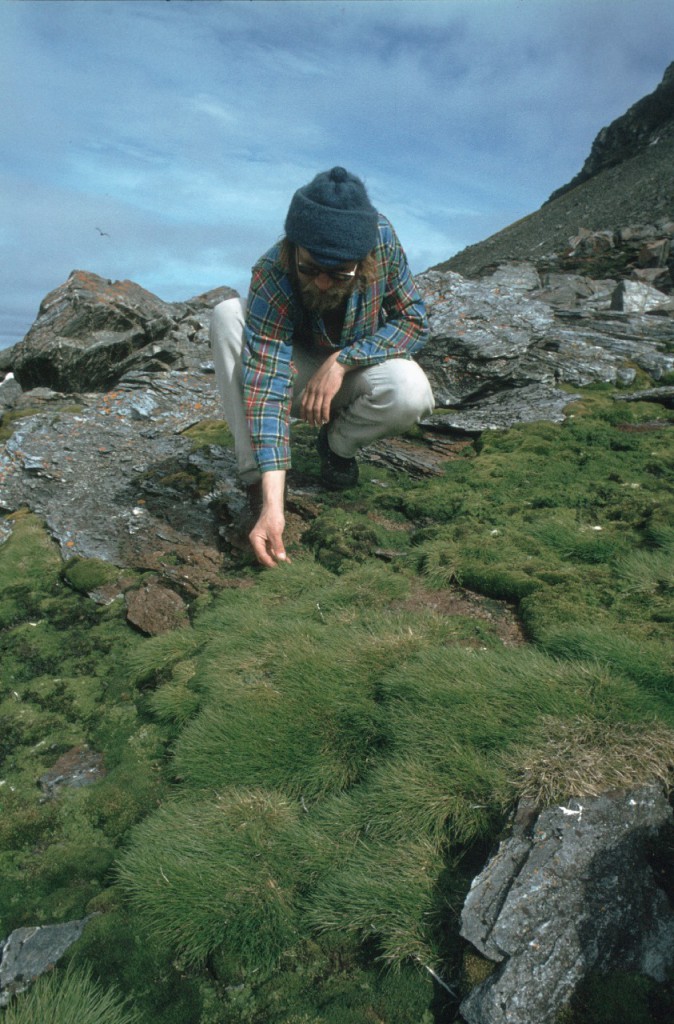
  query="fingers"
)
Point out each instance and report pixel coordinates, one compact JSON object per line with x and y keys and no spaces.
{"x":320,"y":391}
{"x":315,"y":408}
{"x":266,"y":541}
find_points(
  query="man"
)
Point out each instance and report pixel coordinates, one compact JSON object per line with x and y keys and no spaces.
{"x":332,"y":320}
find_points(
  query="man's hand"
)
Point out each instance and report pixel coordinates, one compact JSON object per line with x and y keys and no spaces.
{"x":266,"y":537}
{"x":320,"y":391}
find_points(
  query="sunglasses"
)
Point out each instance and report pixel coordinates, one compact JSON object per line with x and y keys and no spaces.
{"x":311,"y":270}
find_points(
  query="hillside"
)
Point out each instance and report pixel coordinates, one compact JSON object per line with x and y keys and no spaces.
{"x":627,"y":179}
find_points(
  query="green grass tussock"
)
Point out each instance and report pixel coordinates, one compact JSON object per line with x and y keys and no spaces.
{"x":386,"y":891}
{"x":585,"y":757}
{"x":64,"y":997}
{"x":205,"y":876}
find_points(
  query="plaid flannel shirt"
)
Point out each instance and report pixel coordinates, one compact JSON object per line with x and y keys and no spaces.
{"x":387,"y":320}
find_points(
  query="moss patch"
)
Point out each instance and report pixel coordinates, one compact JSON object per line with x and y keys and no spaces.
{"x":298,"y":782}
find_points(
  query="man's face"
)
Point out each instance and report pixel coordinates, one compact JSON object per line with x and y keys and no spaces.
{"x":322,"y":289}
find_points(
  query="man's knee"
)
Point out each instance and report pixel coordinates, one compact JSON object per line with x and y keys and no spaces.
{"x":409,"y":390}
{"x":227,"y":320}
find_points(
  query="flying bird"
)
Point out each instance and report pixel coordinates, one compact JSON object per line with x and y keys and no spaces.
{"x":103,"y":233}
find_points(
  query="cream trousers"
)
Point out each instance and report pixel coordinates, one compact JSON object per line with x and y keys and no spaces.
{"x":373,"y":402}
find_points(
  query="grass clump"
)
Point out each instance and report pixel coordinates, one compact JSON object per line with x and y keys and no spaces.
{"x":385,"y":891}
{"x":206,"y":877}
{"x":63,"y":997}
{"x":587,"y":757}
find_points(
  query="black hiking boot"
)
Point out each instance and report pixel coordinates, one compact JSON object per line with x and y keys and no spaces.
{"x":337,"y":473}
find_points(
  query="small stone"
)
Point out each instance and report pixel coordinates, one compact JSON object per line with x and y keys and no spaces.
{"x":30,"y":952}
{"x":155,"y":609}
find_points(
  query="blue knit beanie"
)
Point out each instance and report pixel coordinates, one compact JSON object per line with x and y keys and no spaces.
{"x":333,"y":218}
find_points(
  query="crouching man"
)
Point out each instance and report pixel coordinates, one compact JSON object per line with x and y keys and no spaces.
{"x":332,"y":320}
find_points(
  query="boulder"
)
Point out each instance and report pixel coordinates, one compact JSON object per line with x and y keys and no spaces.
{"x":655,"y":253}
{"x":591,"y":242}
{"x":155,"y":609}
{"x":574,"y":893}
{"x":79,"y":766}
{"x":656,"y":277}
{"x":90,"y":331}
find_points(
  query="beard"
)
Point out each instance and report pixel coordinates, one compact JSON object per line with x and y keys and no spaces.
{"x":317,"y":301}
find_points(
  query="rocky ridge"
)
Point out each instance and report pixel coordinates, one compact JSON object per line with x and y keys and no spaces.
{"x":626,"y":180}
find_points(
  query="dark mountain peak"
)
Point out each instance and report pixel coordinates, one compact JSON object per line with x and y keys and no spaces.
{"x":629,"y":134}
{"x":626,"y":181}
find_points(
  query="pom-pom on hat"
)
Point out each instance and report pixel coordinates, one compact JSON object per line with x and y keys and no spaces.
{"x":333,"y":218}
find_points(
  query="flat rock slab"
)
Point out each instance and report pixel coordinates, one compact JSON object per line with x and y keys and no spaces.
{"x":95,"y":473}
{"x":155,"y":609}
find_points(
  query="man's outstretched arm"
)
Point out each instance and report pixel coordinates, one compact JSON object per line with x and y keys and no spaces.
{"x":266,"y":537}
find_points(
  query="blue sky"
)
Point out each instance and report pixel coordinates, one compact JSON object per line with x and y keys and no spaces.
{"x":182,"y":128}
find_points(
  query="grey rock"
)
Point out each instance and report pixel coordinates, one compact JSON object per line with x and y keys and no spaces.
{"x":6,"y":356}
{"x":79,"y":766}
{"x":663,"y":396}
{"x":654,"y":253}
{"x":636,"y":232}
{"x":656,"y":277}
{"x":575,"y":895}
{"x":97,"y":475}
{"x":638,"y":297}
{"x":591,"y":242}
{"x":529,"y":404}
{"x":90,"y":332}
{"x":488,"y":338}
{"x":30,"y":952}
{"x":478,"y":334}
{"x":10,"y":392}
{"x":569,"y":291}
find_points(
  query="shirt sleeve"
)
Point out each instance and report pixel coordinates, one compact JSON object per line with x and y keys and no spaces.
{"x":267,"y":369}
{"x":404,"y":325}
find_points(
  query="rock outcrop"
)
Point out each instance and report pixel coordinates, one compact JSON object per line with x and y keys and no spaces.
{"x":501,"y":347}
{"x":572,"y":894}
{"x":90,"y":331}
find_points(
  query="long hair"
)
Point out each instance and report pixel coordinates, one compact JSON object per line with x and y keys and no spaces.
{"x":366,"y":269}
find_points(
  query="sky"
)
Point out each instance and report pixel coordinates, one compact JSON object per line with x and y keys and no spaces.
{"x":161,"y":141}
